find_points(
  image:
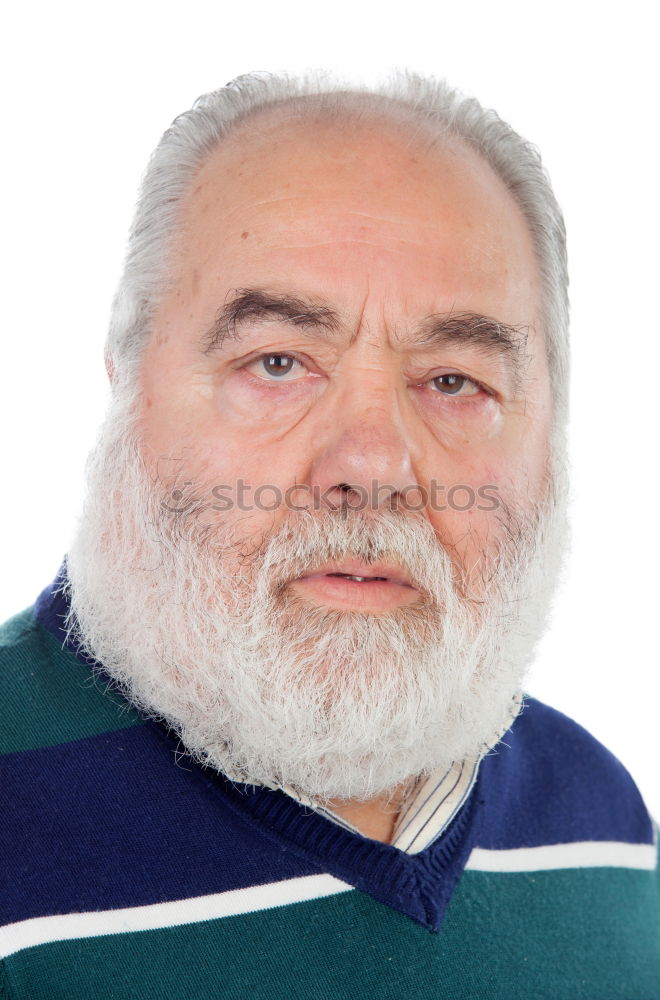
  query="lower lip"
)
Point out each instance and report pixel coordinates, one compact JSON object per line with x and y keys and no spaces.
{"x":340,"y":592}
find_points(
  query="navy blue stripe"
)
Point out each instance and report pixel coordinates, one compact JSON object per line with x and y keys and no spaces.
{"x":117,"y":820}
{"x":553,"y":783}
{"x":51,"y":606}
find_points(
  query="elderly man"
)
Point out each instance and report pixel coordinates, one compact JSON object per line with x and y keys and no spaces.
{"x":264,"y":736}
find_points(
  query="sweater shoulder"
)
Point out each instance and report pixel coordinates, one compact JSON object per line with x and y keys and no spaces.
{"x":15,"y":631}
{"x":47,"y":695}
{"x":550,"y":781}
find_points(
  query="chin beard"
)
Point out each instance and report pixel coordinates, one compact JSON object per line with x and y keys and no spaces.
{"x":201,"y":630}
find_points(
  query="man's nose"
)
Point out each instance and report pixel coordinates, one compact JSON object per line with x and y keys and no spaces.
{"x":367,"y":460}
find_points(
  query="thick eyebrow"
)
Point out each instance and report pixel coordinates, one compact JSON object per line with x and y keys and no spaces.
{"x":247,"y":305}
{"x":473,"y":331}
{"x":484,"y":334}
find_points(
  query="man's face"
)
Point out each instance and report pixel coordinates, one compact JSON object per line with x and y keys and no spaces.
{"x":363,"y":275}
{"x":352,"y":315}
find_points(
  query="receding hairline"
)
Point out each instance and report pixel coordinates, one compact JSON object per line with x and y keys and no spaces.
{"x":346,"y":107}
{"x":345,"y":111}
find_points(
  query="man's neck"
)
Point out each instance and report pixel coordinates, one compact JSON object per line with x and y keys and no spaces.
{"x":375,"y":818}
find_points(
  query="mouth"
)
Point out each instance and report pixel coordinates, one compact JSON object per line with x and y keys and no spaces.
{"x":355,"y":585}
{"x":355,"y":578}
{"x":360,"y":572}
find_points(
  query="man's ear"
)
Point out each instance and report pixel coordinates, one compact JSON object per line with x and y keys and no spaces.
{"x":110,"y":368}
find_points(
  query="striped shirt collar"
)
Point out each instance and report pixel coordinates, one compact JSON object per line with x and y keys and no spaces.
{"x":433,"y":802}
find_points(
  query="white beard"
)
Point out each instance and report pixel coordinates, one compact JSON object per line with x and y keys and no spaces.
{"x":200,"y":629}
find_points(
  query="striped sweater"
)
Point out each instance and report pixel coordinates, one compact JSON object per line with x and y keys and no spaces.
{"x":128,"y":871}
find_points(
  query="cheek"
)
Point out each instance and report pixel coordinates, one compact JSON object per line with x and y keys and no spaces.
{"x":463,"y":473}
{"x":471,"y":527}
{"x":242,"y":481}
{"x":473,"y":500}
{"x":184,"y":421}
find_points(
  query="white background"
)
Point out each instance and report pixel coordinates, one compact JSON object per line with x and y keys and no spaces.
{"x":86,"y":93}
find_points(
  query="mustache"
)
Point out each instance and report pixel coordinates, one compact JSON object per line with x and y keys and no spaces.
{"x":303,"y":543}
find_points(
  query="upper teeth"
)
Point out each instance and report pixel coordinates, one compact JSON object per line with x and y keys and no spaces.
{"x":358,"y":579}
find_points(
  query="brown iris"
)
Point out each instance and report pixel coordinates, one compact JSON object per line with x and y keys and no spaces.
{"x":450,"y":384}
{"x":278,"y":364}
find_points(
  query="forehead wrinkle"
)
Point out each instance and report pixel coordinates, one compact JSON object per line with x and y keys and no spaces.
{"x":392,"y":220}
{"x":352,"y":242}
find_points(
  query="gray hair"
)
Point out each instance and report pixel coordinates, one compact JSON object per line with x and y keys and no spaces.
{"x":194,"y":134}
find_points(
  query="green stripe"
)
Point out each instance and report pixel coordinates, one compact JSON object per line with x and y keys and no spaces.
{"x":47,"y":696}
{"x":4,"y":983}
{"x":578,"y":934}
{"x":587,"y":934}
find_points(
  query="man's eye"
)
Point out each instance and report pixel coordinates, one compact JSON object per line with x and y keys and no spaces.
{"x":455,"y":385}
{"x":275,"y":366}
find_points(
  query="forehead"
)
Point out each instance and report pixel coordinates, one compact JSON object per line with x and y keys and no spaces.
{"x":365,"y":198}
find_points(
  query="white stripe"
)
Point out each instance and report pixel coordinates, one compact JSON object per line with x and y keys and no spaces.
{"x":582,"y":854}
{"x":66,"y":926}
